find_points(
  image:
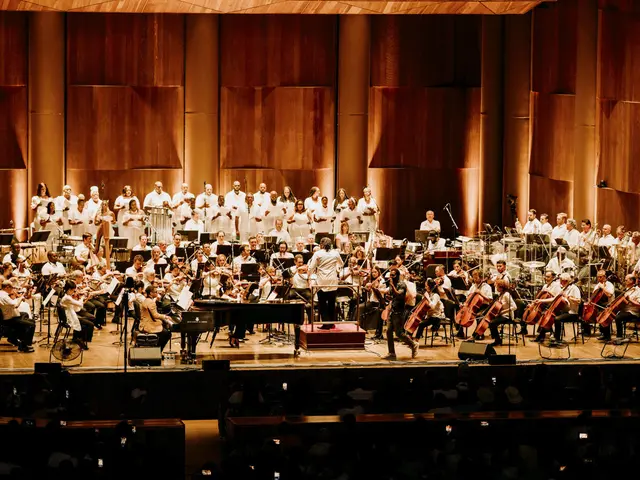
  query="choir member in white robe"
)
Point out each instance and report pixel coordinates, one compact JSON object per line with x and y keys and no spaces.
{"x":235,"y":199}
{"x":80,"y":219}
{"x":133,"y":223}
{"x":248,"y":219}
{"x":323,"y":217}
{"x":222,"y":218}
{"x":272,"y":210}
{"x":370,"y":211}
{"x":64,"y":204}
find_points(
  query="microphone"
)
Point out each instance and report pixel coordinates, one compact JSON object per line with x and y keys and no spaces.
{"x":447,"y":206}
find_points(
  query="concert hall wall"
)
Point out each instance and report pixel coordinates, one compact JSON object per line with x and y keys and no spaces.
{"x":457,"y":109}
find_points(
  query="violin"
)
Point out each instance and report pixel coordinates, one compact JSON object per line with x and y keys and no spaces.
{"x":607,"y":316}
{"x":533,"y":312}
{"x":466,"y":315}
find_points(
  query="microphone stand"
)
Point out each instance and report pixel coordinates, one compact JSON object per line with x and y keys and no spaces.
{"x":447,"y":208}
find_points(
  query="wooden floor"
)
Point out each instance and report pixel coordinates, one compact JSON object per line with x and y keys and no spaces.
{"x":258,"y":352}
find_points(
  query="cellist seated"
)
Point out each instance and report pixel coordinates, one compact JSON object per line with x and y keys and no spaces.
{"x":568,"y":303}
{"x":629,"y":310}
{"x":435,"y":313}
{"x":507,"y":307}
{"x":484,"y":291}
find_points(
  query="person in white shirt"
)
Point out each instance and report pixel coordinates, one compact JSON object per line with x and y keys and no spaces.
{"x":261,"y":196}
{"x":506,"y":312}
{"x":439,"y":244}
{"x":280,"y":233}
{"x":370,"y":211}
{"x":157,"y":198}
{"x":143,"y":241}
{"x":326,"y":263}
{"x":40,"y":200}
{"x":136,"y":271}
{"x":271,"y":211}
{"x":533,"y":225}
{"x":571,"y":301}
{"x":64,"y":204}
{"x":248,"y":219}
{"x":14,"y":255}
{"x":288,"y":200}
{"x":80,"y":219}
{"x":182,"y":197}
{"x":244,"y":257}
{"x":430,"y":224}
{"x":588,"y":234}
{"x":352,"y":216}
{"x":280,"y":255}
{"x":122,"y":205}
{"x":92,"y":206}
{"x":21,"y":328}
{"x":560,"y":229}
{"x":323,"y":217}
{"x":560,"y":263}
{"x":299,"y":246}
{"x":133,"y":222}
{"x":300,"y":221}
{"x":222,"y":218}
{"x":194,"y":223}
{"x":156,"y":259}
{"x":220,"y":240}
{"x":312,"y":202}
{"x":435,"y":314}
{"x":200,"y":259}
{"x":174,"y":282}
{"x":175,"y":246}
{"x":572,"y":236}
{"x":630,"y":310}
{"x":50,"y":221}
{"x":606,"y":240}
{"x":545,"y":226}
{"x":206,"y":201}
{"x":235,"y":199}
{"x":82,"y":251}
{"x":53,"y":266}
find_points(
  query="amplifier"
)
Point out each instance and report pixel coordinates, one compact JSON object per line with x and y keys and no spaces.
{"x":145,"y":357}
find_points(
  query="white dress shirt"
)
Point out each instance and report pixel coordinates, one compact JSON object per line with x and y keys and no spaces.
{"x":430,"y":226}
{"x":192,"y":224}
{"x":327,"y":215}
{"x":234,"y":201}
{"x":546,"y":228}
{"x":86,"y":220}
{"x":572,"y":237}
{"x":155,"y":199}
{"x":270,"y":213}
{"x":281,"y":236}
{"x":325,"y":264}
{"x":261,"y":199}
{"x":558,"y":267}
{"x":211,"y":200}
{"x":559,"y":231}
{"x":532,"y":226}
{"x":178,"y":198}
{"x":53,"y":269}
{"x":369,"y":221}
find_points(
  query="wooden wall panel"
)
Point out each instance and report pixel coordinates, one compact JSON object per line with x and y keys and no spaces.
{"x":13,"y":48}
{"x":553,"y":146}
{"x":278,"y":50}
{"x":618,"y":208}
{"x":550,"y":196}
{"x":283,"y":128}
{"x":13,"y":127}
{"x":16,"y":198}
{"x":619,"y":145}
{"x":115,"y":128}
{"x":555,"y":47}
{"x":619,"y":56}
{"x":114,"y":49}
{"x":420,"y":127}
{"x":425,"y":51}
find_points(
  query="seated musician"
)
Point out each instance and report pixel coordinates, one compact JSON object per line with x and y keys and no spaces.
{"x":211,"y":280}
{"x":220,"y":240}
{"x":459,"y":272}
{"x":560,"y":263}
{"x":13,"y":255}
{"x":99,"y":283}
{"x":208,"y":251}
{"x":479,"y":285}
{"x":280,"y":255}
{"x":244,"y":257}
{"x":443,"y":289}
{"x":174,"y":282}
{"x":351,"y":274}
{"x":200,"y":259}
{"x":82,"y":328}
{"x":83,"y":295}
{"x":545,"y":226}
{"x":194,"y":223}
{"x":374,"y":299}
{"x":430,"y":224}
{"x":533,"y":224}
{"x":82,"y":251}
{"x":435,"y":314}
{"x":571,"y":300}
{"x":143,"y":244}
{"x":606,"y":240}
{"x":630,"y":311}
{"x":299,"y":246}
{"x":21,"y":327}
{"x":506,"y":313}
{"x":609,"y":292}
{"x":501,"y":274}
{"x":437,"y":243}
{"x":175,"y":245}
{"x":280,"y":233}
{"x":151,"y":321}
{"x":156,"y":258}
{"x":551,"y":287}
{"x":149,"y":278}
{"x":253,"y":243}
{"x":137,"y":269}
{"x":24,"y":279}
{"x":572,"y":236}
{"x":266,"y":282}
{"x":560,"y":229}
{"x":53,"y":266}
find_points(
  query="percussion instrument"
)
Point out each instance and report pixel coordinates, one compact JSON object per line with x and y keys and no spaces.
{"x":160,"y":219}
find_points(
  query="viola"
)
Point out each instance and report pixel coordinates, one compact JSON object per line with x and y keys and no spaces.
{"x":590,"y":311}
{"x":554,"y":309}
{"x":492,"y":313}
{"x":607,"y":316}
{"x":466,"y":315}
{"x":534,"y":311}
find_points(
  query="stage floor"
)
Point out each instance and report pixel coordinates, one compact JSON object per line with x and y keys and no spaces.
{"x":258,"y":353}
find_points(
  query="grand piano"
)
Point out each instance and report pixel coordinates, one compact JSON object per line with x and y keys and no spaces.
{"x":230,"y":313}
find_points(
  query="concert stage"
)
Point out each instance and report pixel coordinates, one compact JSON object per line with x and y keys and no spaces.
{"x":258,"y":352}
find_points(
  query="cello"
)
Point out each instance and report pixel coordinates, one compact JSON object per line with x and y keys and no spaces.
{"x":534,"y":311}
{"x":589,"y":313}
{"x":418,"y":315}
{"x":607,"y":316}
{"x":467,"y":313}
{"x":492,"y":313}
{"x":554,"y":308}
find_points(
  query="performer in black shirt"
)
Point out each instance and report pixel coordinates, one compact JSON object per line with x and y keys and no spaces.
{"x":398,"y":290}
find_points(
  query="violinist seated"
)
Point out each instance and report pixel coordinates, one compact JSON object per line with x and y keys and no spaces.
{"x":266,"y":283}
{"x":443,"y":288}
{"x":485,"y":292}
{"x":505,"y":315}
{"x":374,"y":291}
{"x":136,"y":271}
{"x":97,"y":303}
{"x":300,"y":283}
{"x":82,"y":251}
{"x":151,"y":321}
{"x":77,"y":277}
{"x":438,"y":245}
{"x":435,"y":313}
{"x":20,"y":326}
{"x":53,"y":266}
{"x":560,"y":263}
{"x":156,"y":258}
{"x":173,"y":283}
{"x":630,"y":310}
{"x":210,"y":280}
{"x":280,"y":255}
{"x":13,"y":255}
{"x":352,"y":275}
{"x":82,"y":328}
{"x":25,"y":279}
{"x":571,"y":299}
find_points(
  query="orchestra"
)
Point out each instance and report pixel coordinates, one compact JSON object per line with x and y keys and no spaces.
{"x":265,"y":244}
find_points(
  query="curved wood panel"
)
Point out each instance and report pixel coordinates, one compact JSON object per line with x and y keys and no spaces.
{"x":550,"y":196}
{"x":283,"y":128}
{"x":618,"y":208}
{"x":419,"y":127}
{"x":619,"y":61}
{"x":13,"y":49}
{"x":116,"y":128}
{"x":14,"y":187}
{"x":555,"y":35}
{"x":13,"y":127}
{"x":553,"y":145}
{"x":276,"y":51}
{"x":425,"y":51}
{"x":113,"y":49}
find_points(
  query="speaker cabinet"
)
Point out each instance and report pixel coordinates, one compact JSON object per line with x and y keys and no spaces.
{"x":475,"y":351}
{"x":145,"y":357}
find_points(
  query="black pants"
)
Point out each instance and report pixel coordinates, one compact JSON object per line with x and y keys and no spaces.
{"x":621,"y":322}
{"x":433,"y":322}
{"x":22,"y":329}
{"x":560,"y":319}
{"x":495,"y":323}
{"x":163,"y":338}
{"x":396,"y":325}
{"x":302,"y":294}
{"x":327,"y":305}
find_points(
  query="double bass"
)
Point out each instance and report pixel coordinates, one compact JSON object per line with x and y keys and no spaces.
{"x":608,"y":315}
{"x":467,"y":313}
{"x":554,"y":308}
{"x":534,"y":311}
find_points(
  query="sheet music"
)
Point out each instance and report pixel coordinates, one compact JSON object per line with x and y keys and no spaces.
{"x":112,"y":286}
{"x":52,"y":292}
{"x":184,"y":301}
{"x":119,"y":299}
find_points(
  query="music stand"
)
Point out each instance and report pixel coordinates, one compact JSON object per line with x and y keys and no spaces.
{"x":40,"y":236}
{"x":319,"y":237}
{"x":189,"y":235}
{"x":259,"y":255}
{"x":270,"y":242}
{"x":561,"y":242}
{"x":206,"y":237}
{"x":360,"y":236}
{"x":160,"y":269}
{"x":283,"y":263}
{"x":118,"y":243}
{"x":6,"y":239}
{"x":422,"y":236}
{"x":145,"y":254}
{"x":196,"y":287}
{"x":226,"y":250}
{"x":249,"y":271}
{"x":604,"y":253}
{"x":344,"y":257}
{"x":386,"y":254}
{"x":306,"y":256}
{"x":537,"y":238}
{"x":457,"y":283}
